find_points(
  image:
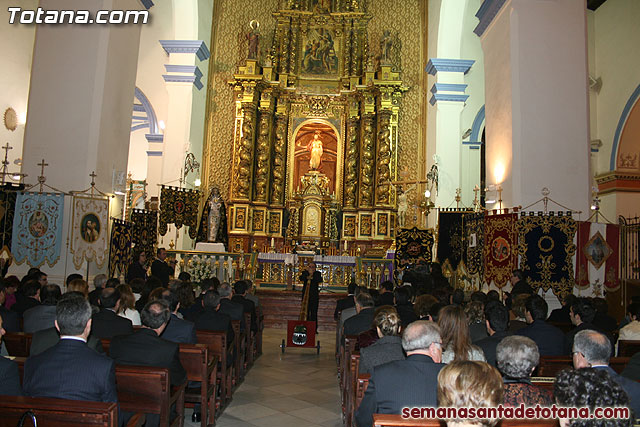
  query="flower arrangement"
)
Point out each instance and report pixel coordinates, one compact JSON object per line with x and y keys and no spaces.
{"x":200,"y":268}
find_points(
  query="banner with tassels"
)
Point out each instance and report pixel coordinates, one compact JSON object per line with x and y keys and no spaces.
{"x":89,"y":230}
{"x":179,"y":206}
{"x":37,"y":228}
{"x":8,"y":195}
{"x":413,"y":246}
{"x":500,"y":249}
{"x":546,"y":249}
{"x":474,"y":243}
{"x":145,"y":230}
{"x":597,"y":255}
{"x":120,"y":246}
{"x":450,"y":238}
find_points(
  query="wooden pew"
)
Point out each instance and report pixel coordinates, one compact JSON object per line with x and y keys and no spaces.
{"x":249,"y":342}
{"x":627,"y":348}
{"x":544,"y":382}
{"x":350,"y":392}
{"x":239,"y":343}
{"x":148,"y":390}
{"x":386,"y":420}
{"x":260,"y":330}
{"x":200,"y":367}
{"x":57,"y":412}
{"x":550,"y":365}
{"x":362,"y":382}
{"x":216,"y":342}
{"x":18,"y":343}
{"x":349,"y":346}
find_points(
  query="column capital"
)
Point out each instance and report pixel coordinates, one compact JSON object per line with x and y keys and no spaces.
{"x":198,"y":47}
{"x":486,"y":14}
{"x":183,"y":74}
{"x":448,"y":92}
{"x":436,"y":65}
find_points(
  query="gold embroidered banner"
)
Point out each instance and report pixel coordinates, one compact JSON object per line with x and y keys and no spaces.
{"x":500,"y":249}
{"x":119,"y":247}
{"x":179,"y":206}
{"x":89,"y":230}
{"x":145,"y":230}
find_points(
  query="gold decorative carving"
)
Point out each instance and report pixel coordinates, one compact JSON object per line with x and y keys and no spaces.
{"x":262,"y":157}
{"x":278,"y":170}
{"x":349,"y":229}
{"x":367,"y":162}
{"x":351,"y":169}
{"x":366,"y":225}
{"x":274,"y":222}
{"x":243,"y":158}
{"x":383,"y":159}
{"x":258,"y":220}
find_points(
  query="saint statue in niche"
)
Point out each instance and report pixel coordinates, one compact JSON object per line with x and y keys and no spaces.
{"x":315,"y":148}
{"x":253,"y":37}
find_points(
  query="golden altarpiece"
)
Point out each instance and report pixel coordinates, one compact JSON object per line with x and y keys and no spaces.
{"x":315,"y":139}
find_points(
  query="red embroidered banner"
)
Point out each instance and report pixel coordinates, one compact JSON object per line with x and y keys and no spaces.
{"x":597,"y":255}
{"x":500,"y":248}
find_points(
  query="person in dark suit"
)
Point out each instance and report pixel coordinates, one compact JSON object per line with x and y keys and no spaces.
{"x":30,"y":297}
{"x":98,"y":283}
{"x":70,"y":369}
{"x":311,"y":283}
{"x":212,"y":319}
{"x":232,"y":309}
{"x":106,"y":323}
{"x":47,"y":338}
{"x":177,"y":330}
{"x":561,"y":315}
{"x":632,"y":370}
{"x":582,"y":312}
{"x":10,"y":318}
{"x":138,"y":268}
{"x":145,"y":347}
{"x":44,"y":315}
{"x":239,"y":296}
{"x":592,"y":349}
{"x":402,"y":296}
{"x":497,"y":321}
{"x":386,"y":293}
{"x":161,"y":268}
{"x":363,"y":320}
{"x":550,"y":340}
{"x":9,"y":374}
{"x":405,"y":383}
{"x":346,"y":302}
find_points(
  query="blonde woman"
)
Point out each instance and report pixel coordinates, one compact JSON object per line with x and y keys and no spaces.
{"x":389,"y":345}
{"x":469,"y":384}
{"x":127,"y":305}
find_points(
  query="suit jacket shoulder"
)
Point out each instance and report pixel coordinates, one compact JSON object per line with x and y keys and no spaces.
{"x":9,"y":378}
{"x":179,"y":331}
{"x":107,"y":324}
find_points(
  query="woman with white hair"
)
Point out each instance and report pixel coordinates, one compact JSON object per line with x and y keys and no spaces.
{"x":517,"y":357}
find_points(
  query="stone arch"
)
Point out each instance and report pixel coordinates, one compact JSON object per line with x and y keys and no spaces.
{"x":626,"y":140}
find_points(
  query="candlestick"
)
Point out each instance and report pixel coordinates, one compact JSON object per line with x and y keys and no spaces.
{"x":272,"y":242}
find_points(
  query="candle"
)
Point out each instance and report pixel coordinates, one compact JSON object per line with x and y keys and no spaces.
{"x":345,"y":245}
{"x":272,"y":242}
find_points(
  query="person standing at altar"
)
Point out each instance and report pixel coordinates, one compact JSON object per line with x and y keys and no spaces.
{"x":161,"y":269}
{"x":311,"y":280}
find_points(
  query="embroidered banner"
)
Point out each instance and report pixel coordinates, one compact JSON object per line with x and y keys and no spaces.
{"x":474,"y":243}
{"x":145,"y":230}
{"x":413,"y":246}
{"x":597,"y":249}
{"x":119,"y":247}
{"x":501,"y":248}
{"x":37,"y":228}
{"x":547,"y":248}
{"x":450,"y":239}
{"x":8,"y":195}
{"x":179,"y":207}
{"x":89,"y":230}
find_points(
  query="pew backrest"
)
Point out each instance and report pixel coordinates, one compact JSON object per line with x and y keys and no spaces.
{"x":58,"y":412}
{"x":17,"y":343}
{"x":627,"y":348}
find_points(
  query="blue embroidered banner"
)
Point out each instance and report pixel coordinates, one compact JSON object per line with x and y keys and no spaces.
{"x":37,"y":228}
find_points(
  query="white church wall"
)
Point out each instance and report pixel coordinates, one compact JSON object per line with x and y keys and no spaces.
{"x":16,"y":44}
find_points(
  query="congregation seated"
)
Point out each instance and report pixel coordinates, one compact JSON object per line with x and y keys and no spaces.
{"x":99,"y":283}
{"x":632,"y":370}
{"x":465,"y":384}
{"x":517,"y":316}
{"x":211,"y":318}
{"x":422,"y":306}
{"x":345,"y":302}
{"x":363,"y":319}
{"x":349,"y":312}
{"x":239,"y":297}
{"x":389,"y":345}
{"x":144,"y":347}
{"x":516,"y":358}
{"x":127,"y":307}
{"x":404,"y":306}
{"x":9,"y":375}
{"x":405,"y":383}
{"x":592,"y":349}
{"x":177,"y":330}
{"x":11,"y":322}
{"x":11,"y":284}
{"x":561,"y":315}
{"x":548,"y":338}
{"x":70,"y":369}
{"x":477,"y":325}
{"x":591,"y":388}
{"x":454,"y":329}
{"x":386,"y":296}
{"x":497,"y":323}
{"x":603,"y":321}
{"x":28,"y":298}
{"x":106,"y":323}
{"x":582,"y":312}
{"x":631,"y":331}
{"x":42,"y":316}
{"x":250,"y":295}
{"x":137,"y":268}
{"x":189,"y":306}
{"x":232,"y":309}
{"x":79,"y":285}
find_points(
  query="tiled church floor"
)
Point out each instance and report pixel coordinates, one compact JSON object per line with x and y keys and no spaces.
{"x":297,"y":388}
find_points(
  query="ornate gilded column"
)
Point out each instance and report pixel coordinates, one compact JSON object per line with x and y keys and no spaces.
{"x":263,"y":151}
{"x":383,"y":159}
{"x":367,"y":161}
{"x":351,"y":159}
{"x":293,"y":46}
{"x":246,"y":105}
{"x":278,"y":168}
